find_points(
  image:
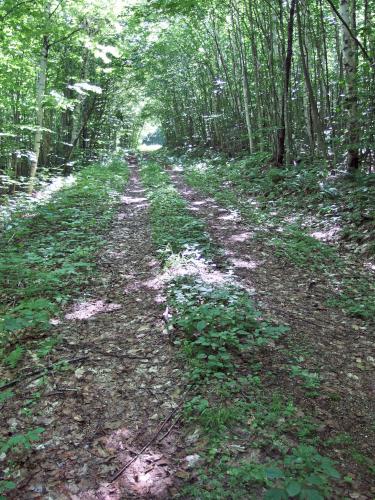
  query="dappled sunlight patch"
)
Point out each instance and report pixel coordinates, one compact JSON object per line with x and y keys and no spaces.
{"x":370,"y":266}
{"x":24,"y":201}
{"x":200,"y":166}
{"x":56,"y":184}
{"x":232,"y":215}
{"x":137,"y":191}
{"x":115,"y":255}
{"x":160,"y":299}
{"x":240,"y":237}
{"x":129,"y":200}
{"x":149,"y":148}
{"x":327,"y":235}
{"x":149,"y":476}
{"x":86,"y":310}
{"x":191,"y":263}
{"x":177,"y":168}
{"x":244,"y":264}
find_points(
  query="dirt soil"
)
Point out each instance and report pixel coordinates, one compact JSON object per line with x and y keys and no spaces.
{"x":100,"y":415}
{"x":339,"y":348}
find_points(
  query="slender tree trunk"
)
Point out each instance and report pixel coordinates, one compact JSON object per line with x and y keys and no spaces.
{"x":316,"y":121}
{"x":244,"y":77}
{"x":40,"y":91}
{"x":349,"y":55}
{"x":86,"y":118}
{"x":280,"y":155}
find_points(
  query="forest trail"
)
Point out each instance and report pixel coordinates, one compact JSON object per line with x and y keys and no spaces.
{"x":128,"y":381}
{"x":325,"y":340}
{"x":100,"y":415}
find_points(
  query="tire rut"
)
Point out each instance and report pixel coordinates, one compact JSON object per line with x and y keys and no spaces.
{"x":337,"y":347}
{"x":100,"y":415}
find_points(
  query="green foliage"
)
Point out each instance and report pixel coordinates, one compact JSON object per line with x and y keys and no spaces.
{"x":4,"y":395}
{"x":303,"y":250}
{"x":173,"y":228}
{"x":14,"y":443}
{"x":14,"y":357}
{"x":46,"y":346}
{"x":216,"y":323}
{"x":279,"y":196}
{"x":21,"y":440}
{"x":45,"y":257}
{"x":42,"y":255}
{"x":303,"y":474}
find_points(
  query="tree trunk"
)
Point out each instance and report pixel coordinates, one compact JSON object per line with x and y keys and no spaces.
{"x":349,"y":52}
{"x":280,"y":155}
{"x":244,"y":77}
{"x":316,"y":121}
{"x":40,"y":91}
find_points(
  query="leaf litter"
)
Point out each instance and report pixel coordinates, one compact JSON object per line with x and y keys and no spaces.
{"x":100,"y":414}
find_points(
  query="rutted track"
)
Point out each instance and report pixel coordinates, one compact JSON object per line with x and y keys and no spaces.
{"x":100,"y":416}
{"x":333,"y":345}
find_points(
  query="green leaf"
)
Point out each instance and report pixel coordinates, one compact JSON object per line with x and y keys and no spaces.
{"x":5,"y":395}
{"x":275,"y":494}
{"x":201,"y":325}
{"x":293,"y":488}
{"x":331,"y":471}
{"x":274,"y":473}
{"x":6,"y":486}
{"x":311,"y":495}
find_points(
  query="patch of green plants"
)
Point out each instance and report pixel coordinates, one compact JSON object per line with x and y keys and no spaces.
{"x":303,"y":250}
{"x":173,"y":227}
{"x":15,"y":443}
{"x":48,"y":253}
{"x":270,"y":198}
{"x":216,"y":324}
{"x":258,"y":427}
{"x":357,"y":298}
{"x":303,"y":473}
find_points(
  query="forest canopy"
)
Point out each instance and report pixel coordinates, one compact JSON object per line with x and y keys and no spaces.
{"x":293,"y":79}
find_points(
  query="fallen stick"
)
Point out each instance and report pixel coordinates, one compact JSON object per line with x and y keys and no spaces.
{"x":36,"y":373}
{"x":152,"y":440}
{"x":170,"y":429}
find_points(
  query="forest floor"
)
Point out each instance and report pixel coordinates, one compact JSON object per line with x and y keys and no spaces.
{"x":124,"y":385}
{"x":121,"y":404}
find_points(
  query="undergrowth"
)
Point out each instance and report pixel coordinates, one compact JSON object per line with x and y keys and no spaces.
{"x":173,"y":227}
{"x":281,"y":202}
{"x":250,"y":442}
{"x":47,"y":255}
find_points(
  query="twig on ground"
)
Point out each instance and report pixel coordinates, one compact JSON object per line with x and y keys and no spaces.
{"x":42,"y":371}
{"x":170,"y":429}
{"x":119,"y":355}
{"x":152,"y":440}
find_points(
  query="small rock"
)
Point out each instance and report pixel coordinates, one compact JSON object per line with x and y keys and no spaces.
{"x":192,"y":460}
{"x":181,"y":474}
{"x":193,"y":438}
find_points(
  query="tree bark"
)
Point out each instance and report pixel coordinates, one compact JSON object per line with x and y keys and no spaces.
{"x":349,"y":54}
{"x":280,"y":154}
{"x":316,"y":121}
{"x":40,"y":91}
